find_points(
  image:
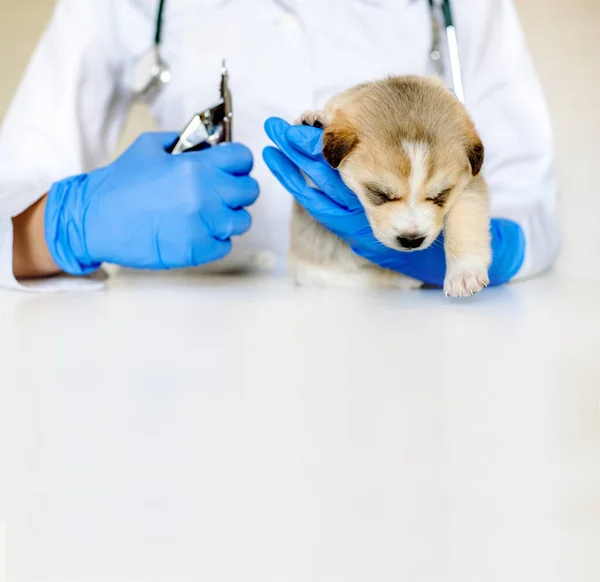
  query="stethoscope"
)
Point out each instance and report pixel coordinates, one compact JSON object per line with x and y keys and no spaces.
{"x":151,"y":72}
{"x":447,"y":22}
{"x":213,"y":125}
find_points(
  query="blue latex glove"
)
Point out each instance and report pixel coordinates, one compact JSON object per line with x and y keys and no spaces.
{"x":335,"y":206}
{"x":150,"y":209}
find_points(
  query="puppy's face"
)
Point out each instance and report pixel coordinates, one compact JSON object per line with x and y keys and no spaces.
{"x":407,"y":173}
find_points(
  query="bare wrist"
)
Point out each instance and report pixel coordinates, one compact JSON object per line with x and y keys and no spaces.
{"x":31,"y":257}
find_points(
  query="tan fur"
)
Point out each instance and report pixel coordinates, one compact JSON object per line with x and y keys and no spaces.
{"x":410,"y":138}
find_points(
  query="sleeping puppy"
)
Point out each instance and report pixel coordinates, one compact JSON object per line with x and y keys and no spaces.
{"x":409,"y":151}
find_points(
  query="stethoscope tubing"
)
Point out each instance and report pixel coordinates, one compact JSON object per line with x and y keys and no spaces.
{"x":451,"y":38}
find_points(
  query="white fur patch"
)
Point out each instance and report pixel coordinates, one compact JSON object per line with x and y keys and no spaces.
{"x":418,"y":154}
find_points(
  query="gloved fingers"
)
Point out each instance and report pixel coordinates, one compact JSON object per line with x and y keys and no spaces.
{"x":204,"y":251}
{"x":508,"y":250}
{"x":237,"y":191}
{"x":233,"y":158}
{"x":308,"y":140}
{"x":227,"y":223}
{"x":187,"y":245}
{"x":240,"y":223}
{"x":153,"y":143}
{"x":288,"y":174}
{"x":319,"y":171}
{"x":316,"y":202}
{"x":163,"y":138}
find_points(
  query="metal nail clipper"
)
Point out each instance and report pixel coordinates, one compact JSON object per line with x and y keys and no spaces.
{"x":209,"y":127}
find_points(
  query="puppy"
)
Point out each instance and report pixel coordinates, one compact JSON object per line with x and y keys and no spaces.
{"x":409,"y":151}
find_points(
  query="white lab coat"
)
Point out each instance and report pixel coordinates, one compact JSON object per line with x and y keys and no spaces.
{"x":284,"y":56}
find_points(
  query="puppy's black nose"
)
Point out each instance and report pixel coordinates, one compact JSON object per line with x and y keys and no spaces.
{"x":410,"y":242}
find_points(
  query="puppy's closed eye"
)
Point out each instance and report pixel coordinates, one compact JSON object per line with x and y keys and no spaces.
{"x":441,"y":198}
{"x":378,"y":194}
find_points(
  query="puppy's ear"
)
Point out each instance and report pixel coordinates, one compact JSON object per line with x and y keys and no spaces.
{"x":475,"y":149}
{"x":339,"y":139}
{"x":476,"y":154}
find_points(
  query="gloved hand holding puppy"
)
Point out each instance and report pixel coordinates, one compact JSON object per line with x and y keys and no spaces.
{"x":333,"y":204}
{"x":414,"y":170}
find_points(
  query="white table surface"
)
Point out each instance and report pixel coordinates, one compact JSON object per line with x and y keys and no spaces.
{"x":179,"y":428}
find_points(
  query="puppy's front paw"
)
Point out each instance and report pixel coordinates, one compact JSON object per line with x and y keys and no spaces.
{"x":313,"y":118}
{"x":465,"y":278}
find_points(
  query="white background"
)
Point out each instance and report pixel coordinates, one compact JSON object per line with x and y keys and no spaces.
{"x":349,"y":437}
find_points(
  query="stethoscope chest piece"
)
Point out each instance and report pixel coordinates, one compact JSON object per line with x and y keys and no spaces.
{"x":150,"y":75}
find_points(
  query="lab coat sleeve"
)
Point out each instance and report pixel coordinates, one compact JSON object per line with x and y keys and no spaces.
{"x":505,"y":99}
{"x":65,"y":118}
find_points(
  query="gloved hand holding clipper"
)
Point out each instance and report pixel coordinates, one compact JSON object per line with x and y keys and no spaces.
{"x":299,"y":148}
{"x":150,"y":209}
